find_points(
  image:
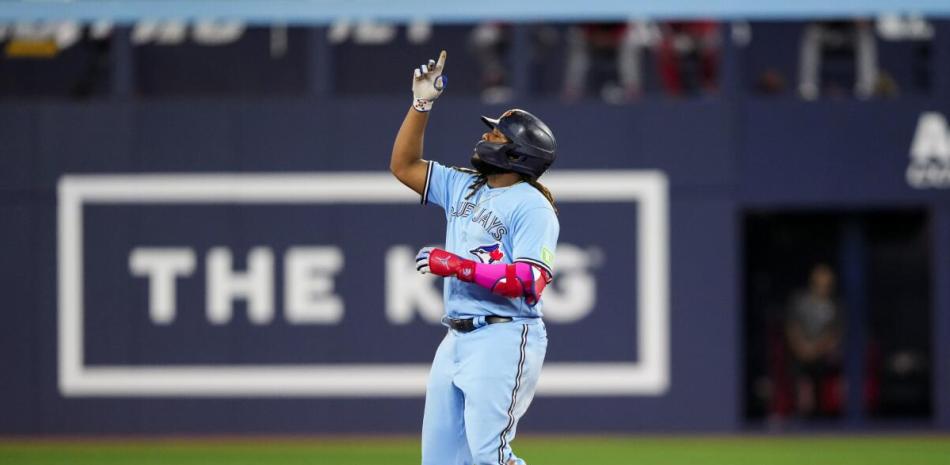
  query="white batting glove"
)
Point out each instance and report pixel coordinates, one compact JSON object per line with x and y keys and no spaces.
{"x":428,"y":82}
{"x":422,"y":260}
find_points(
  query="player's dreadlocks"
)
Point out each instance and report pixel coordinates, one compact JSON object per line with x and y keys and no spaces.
{"x":544,"y":191}
{"x":481,"y":179}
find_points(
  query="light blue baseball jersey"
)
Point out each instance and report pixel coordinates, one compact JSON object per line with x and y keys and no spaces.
{"x":495,"y":225}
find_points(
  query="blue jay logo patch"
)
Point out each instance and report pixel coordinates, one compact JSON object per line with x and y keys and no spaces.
{"x":488,"y":253}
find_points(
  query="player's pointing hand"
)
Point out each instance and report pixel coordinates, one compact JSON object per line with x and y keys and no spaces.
{"x":428,"y":82}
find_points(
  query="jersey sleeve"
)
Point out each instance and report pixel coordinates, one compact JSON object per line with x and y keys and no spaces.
{"x":443,"y":185}
{"x":535,"y":237}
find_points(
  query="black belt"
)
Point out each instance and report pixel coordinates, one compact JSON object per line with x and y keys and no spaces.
{"x":465,"y":325}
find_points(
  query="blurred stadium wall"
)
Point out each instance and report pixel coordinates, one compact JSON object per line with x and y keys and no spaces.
{"x":200,"y":234}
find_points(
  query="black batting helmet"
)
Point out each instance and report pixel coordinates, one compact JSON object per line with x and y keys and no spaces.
{"x":530,"y":149}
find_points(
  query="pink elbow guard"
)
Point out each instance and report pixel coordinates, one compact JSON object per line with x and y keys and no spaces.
{"x":518,"y":279}
{"x":514,"y":280}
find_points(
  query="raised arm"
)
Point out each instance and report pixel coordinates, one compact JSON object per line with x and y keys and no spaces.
{"x":406,"y":162}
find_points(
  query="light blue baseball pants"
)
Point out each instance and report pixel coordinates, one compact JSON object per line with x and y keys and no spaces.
{"x":480,"y":384}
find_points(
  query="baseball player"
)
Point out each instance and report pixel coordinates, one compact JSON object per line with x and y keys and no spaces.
{"x":499,"y":247}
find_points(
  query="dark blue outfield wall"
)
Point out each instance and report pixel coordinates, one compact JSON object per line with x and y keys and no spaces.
{"x":339,"y":329}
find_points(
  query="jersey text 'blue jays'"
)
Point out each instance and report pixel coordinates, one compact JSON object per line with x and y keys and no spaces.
{"x":491,"y":222}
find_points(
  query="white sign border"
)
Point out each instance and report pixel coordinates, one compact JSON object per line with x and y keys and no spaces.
{"x":648,"y":376}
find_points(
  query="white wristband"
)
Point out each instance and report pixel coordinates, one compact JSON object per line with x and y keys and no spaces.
{"x":421,"y":104}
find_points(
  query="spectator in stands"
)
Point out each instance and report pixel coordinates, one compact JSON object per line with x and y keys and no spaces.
{"x":689,"y":56}
{"x":824,"y":39}
{"x":813,"y":330}
{"x":606,"y":57}
{"x":490,"y":43}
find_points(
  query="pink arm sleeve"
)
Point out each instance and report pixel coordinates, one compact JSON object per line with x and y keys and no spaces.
{"x":514,"y":280}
